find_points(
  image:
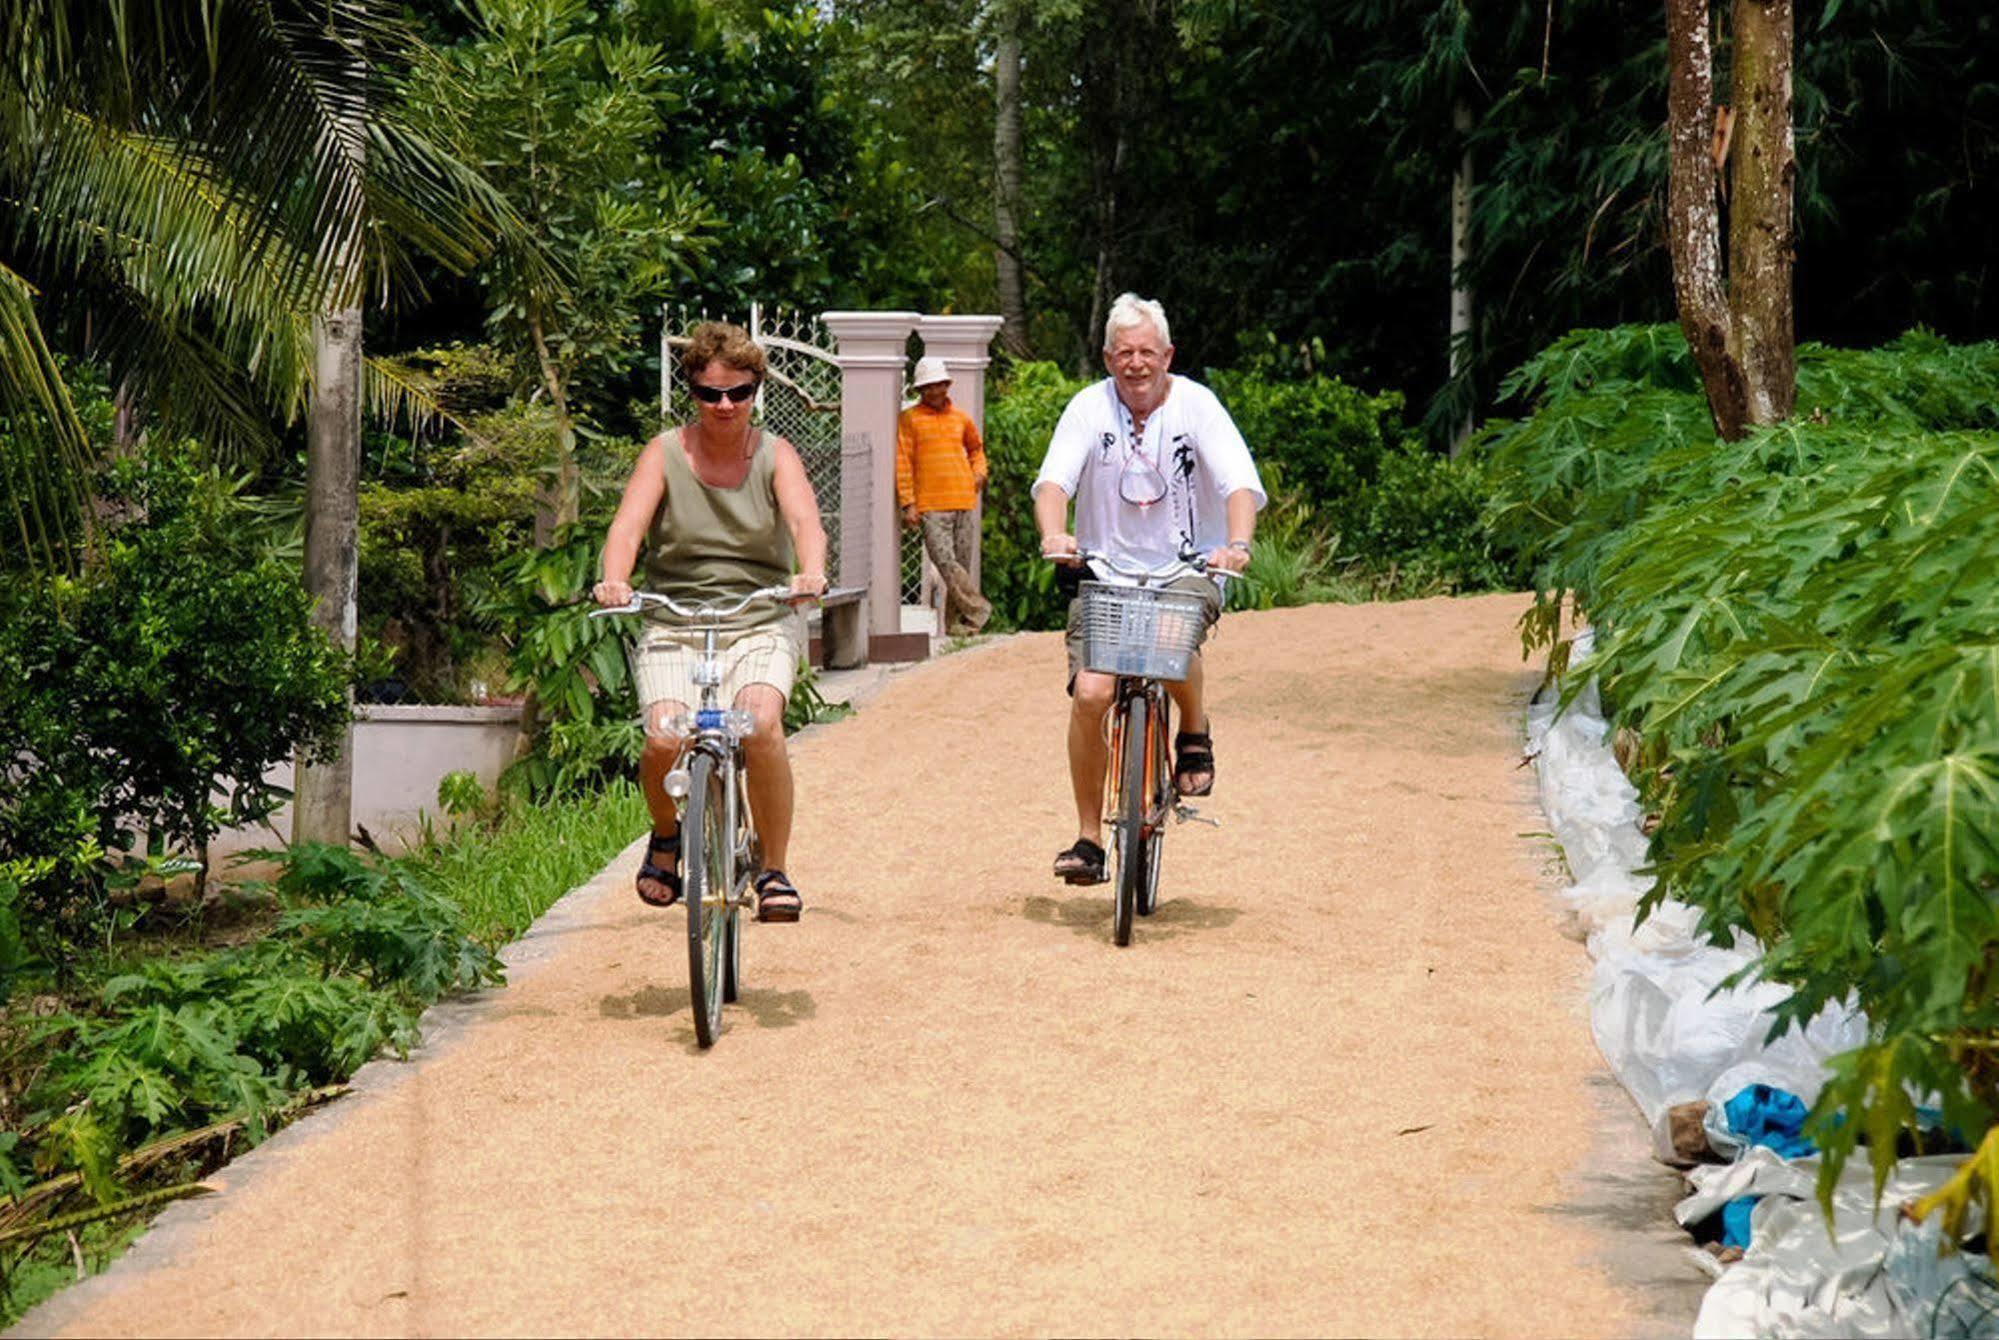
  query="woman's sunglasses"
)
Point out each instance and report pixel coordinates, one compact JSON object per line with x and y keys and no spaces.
{"x":715,"y":395}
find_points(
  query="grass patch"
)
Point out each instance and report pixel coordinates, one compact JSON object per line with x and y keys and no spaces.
{"x":505,"y":871}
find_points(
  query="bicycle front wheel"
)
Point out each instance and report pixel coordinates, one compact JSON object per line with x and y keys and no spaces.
{"x":1159,"y":799}
{"x":708,"y":848}
{"x":1129,"y":839}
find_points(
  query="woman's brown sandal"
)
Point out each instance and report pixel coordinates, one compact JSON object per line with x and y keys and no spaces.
{"x":777,"y":899}
{"x":653,"y":875}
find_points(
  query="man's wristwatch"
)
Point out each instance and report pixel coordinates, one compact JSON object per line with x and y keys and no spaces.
{"x":1241,"y":546}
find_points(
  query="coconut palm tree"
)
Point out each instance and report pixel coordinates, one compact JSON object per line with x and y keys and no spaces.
{"x":183,"y":189}
{"x":199,"y":194}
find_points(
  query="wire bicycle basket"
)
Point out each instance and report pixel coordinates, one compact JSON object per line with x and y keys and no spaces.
{"x":1140,"y":630}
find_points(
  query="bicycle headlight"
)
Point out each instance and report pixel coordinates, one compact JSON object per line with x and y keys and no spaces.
{"x":676,"y":727}
{"x":677,"y":784}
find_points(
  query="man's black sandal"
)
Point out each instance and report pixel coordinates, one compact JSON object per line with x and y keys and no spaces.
{"x":663,"y":876}
{"x":1193,"y":754}
{"x":777,"y":900}
{"x":1081,"y":863}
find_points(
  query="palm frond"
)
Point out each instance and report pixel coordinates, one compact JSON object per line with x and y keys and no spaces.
{"x":43,"y":450}
{"x":191,"y":384}
{"x":393,"y":392}
{"x":184,"y":238}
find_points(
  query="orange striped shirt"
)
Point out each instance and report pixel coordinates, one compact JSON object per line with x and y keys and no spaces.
{"x":940,"y":461}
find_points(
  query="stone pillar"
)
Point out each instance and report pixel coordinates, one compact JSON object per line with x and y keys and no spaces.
{"x":871,"y":349}
{"x":964,"y":343}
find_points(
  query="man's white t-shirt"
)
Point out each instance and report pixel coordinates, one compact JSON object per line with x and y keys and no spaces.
{"x":1189,"y":438}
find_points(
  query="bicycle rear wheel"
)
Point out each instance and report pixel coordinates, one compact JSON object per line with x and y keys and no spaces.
{"x":1129,"y":840}
{"x":708,"y":848}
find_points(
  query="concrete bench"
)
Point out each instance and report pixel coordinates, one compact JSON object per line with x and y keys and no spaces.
{"x":843,"y":628}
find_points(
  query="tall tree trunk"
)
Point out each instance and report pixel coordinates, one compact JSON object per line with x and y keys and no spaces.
{"x":1762,"y":240}
{"x":323,"y":804}
{"x":1739,"y":328}
{"x":323,"y":798}
{"x":1107,"y":223}
{"x":1007,"y":173}
{"x":561,"y":502}
{"x":1461,"y":294}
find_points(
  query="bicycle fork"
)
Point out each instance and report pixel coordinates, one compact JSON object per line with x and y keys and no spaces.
{"x":1156,"y":719}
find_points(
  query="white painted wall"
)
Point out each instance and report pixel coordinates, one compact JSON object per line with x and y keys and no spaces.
{"x":400,"y":755}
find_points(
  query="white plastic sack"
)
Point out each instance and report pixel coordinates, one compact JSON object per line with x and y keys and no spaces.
{"x":1672,"y":1036}
{"x":1795,"y":1281}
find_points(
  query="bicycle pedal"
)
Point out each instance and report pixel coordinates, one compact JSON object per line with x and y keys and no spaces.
{"x":1182,"y":813}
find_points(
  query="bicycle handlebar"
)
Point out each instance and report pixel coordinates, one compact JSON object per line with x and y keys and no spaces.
{"x":1192,"y":563}
{"x":714,"y":609}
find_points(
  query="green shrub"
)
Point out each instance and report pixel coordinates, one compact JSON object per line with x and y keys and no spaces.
{"x":359,"y":950}
{"x":1019,"y":421}
{"x":1319,"y":436}
{"x":179,"y":665}
{"x":1426,"y":512}
{"x":1802,"y":629}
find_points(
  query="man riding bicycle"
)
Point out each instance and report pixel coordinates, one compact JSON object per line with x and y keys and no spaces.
{"x":1158,"y":471}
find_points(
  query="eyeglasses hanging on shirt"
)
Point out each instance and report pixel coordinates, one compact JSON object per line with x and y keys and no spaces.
{"x":1140,"y":482}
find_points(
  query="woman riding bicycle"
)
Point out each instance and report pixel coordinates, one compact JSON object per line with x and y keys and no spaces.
{"x":1157,"y":469}
{"x":720,"y":508}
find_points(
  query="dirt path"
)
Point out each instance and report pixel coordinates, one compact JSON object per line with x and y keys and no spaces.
{"x":1338,"y":1085}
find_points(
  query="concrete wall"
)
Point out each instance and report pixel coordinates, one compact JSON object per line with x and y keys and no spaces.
{"x":400,"y":755}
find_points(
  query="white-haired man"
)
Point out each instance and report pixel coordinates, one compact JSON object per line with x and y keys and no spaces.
{"x":1157,"y":471}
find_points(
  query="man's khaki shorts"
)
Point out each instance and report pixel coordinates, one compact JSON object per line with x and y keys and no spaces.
{"x":1192,"y":583}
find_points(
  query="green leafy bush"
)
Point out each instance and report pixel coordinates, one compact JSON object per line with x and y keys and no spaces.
{"x":1802,"y":629}
{"x":1315,"y":434}
{"x":359,"y":950}
{"x":432,"y":531}
{"x":179,"y":665}
{"x":1019,"y":421}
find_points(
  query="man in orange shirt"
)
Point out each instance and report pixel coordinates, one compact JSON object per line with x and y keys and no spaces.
{"x":940,"y":467}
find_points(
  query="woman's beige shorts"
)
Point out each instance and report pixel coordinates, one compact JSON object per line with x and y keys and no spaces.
{"x":663,"y":666}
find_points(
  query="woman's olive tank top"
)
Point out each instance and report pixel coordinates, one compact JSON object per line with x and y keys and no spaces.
{"x":709,"y":544}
